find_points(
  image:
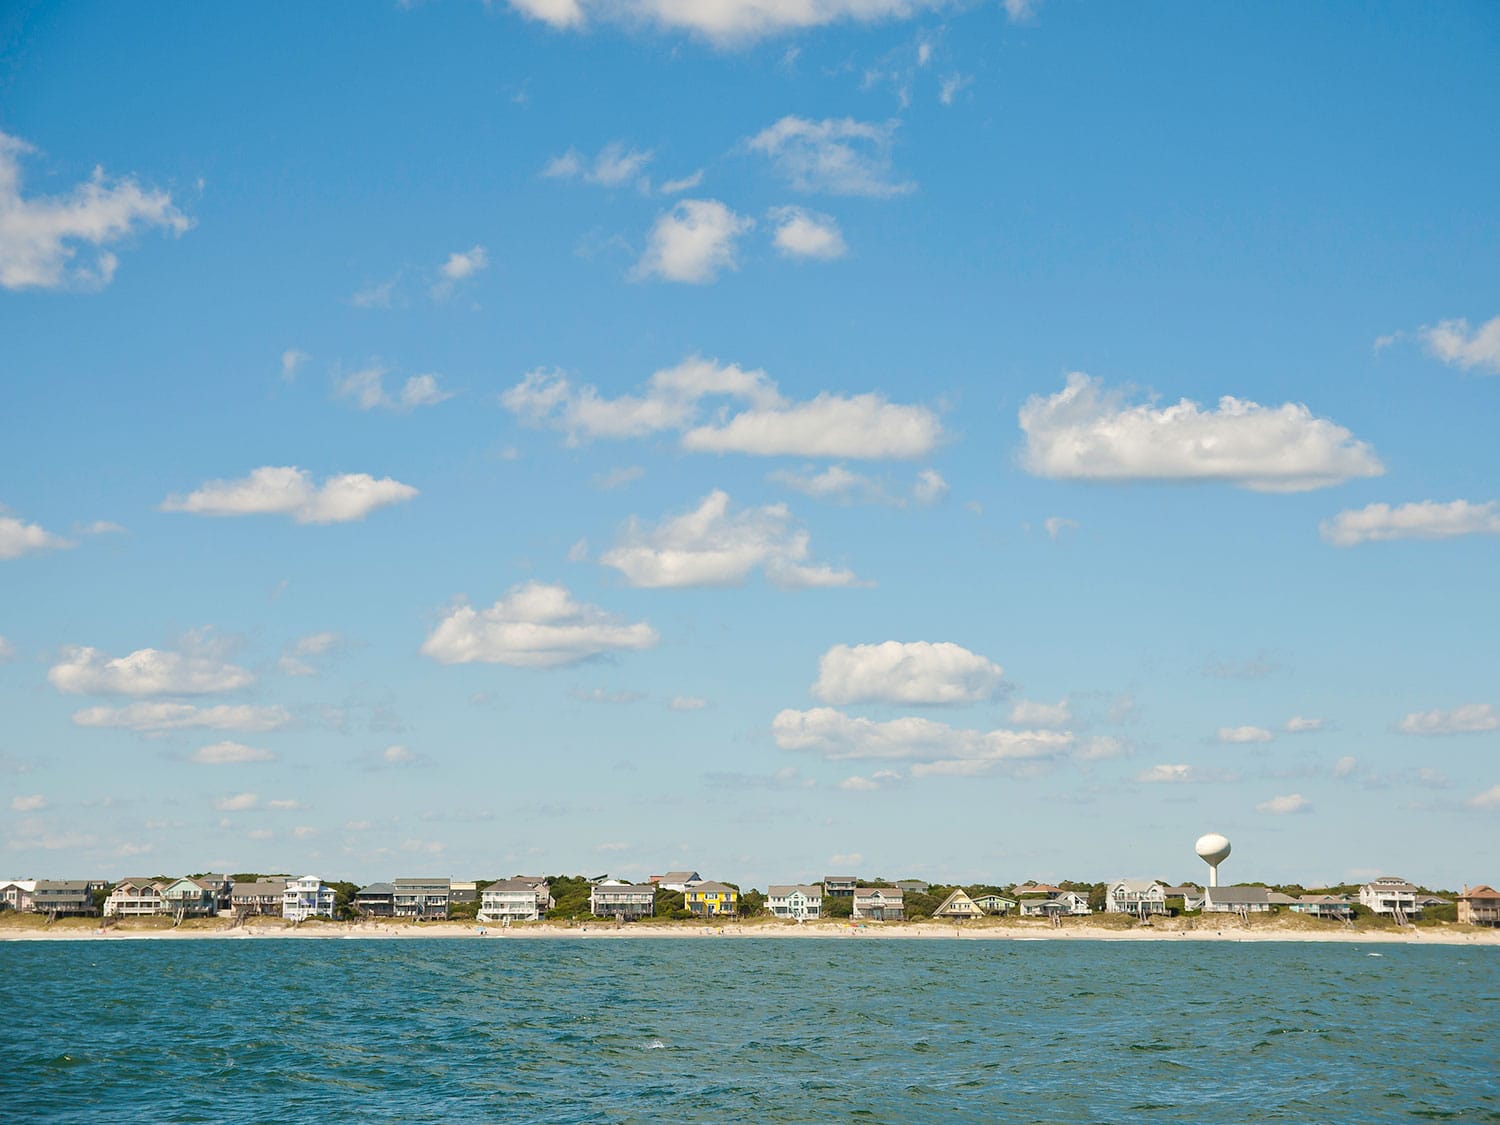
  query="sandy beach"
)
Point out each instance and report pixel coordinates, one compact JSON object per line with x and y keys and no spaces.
{"x":1175,"y":930}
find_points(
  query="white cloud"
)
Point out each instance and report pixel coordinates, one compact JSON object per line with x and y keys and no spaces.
{"x":1297,"y":724}
{"x":911,"y":672}
{"x":950,"y":86}
{"x":285,"y":805}
{"x":462,"y":264}
{"x":1471,"y":718}
{"x":34,"y":803}
{"x":296,"y":660}
{"x":1168,"y":774}
{"x":535,"y":625}
{"x":712,"y":546}
{"x":154,"y":718}
{"x":288,"y":490}
{"x":1056,"y":525}
{"x":832,"y":483}
{"x":376,"y":296}
{"x":619,"y":478}
{"x":1286,"y":805}
{"x":1245,"y":734}
{"x":1032,"y":713}
{"x":230,"y":754}
{"x":398,"y":755}
{"x":1086,"y":433}
{"x":7,"y":650}
{"x":367,"y":390}
{"x":40,"y":236}
{"x":99,"y":527}
{"x":1020,"y":11}
{"x":1452,"y":341}
{"x":693,"y":243}
{"x":860,"y":427}
{"x":685,"y":183}
{"x":723,"y":22}
{"x":1345,"y":766}
{"x":859,"y":784}
{"x":291,"y":362}
{"x":304,"y":832}
{"x":17,"y":538}
{"x":1101,"y":748}
{"x":239,"y":802}
{"x":687,"y":703}
{"x":1489,"y":799}
{"x":807,"y":234}
{"x":834,"y":156}
{"x":613,"y":166}
{"x":147,"y":671}
{"x":1426,"y":520}
{"x":935,"y":749}
{"x":930,"y":487}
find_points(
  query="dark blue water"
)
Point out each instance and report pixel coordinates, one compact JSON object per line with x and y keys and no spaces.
{"x":747,"y":1030}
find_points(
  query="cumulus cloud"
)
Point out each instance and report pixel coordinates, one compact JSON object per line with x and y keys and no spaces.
{"x":835,"y":156}
{"x":18,"y":538}
{"x":239,"y":802}
{"x":1489,"y":799}
{"x":33,"y":803}
{"x":862,"y":427}
{"x":1426,"y":520}
{"x":288,"y":490}
{"x":806,"y":234}
{"x":1031,"y":713}
{"x":935,"y":749}
{"x":1245,"y":734}
{"x":298,"y":657}
{"x":1471,"y":718}
{"x":230,"y":754}
{"x":1168,"y":774}
{"x":41,"y":236}
{"x":366,"y":389}
{"x":398,"y":755}
{"x":463,"y":264}
{"x":714,"y":546}
{"x":723,"y":22}
{"x":535,"y":625}
{"x":1345,"y":766}
{"x":614,"y":165}
{"x":930,"y":487}
{"x":1087,"y":433}
{"x":1285,"y":806}
{"x":684,"y":183}
{"x":1453,"y":342}
{"x":147,"y":671}
{"x":1297,"y":724}
{"x":905,"y":672}
{"x":156,"y":718}
{"x":693,"y":243}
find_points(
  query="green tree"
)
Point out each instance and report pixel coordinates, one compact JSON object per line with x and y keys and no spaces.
{"x":838,"y":906}
{"x":752,"y":903}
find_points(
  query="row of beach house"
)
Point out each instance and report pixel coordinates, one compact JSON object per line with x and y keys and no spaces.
{"x":528,"y":898}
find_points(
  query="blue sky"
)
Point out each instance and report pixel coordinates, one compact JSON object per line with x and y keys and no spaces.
{"x":970,"y":441}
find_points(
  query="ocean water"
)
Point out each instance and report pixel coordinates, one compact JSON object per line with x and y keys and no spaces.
{"x":747,"y":1030}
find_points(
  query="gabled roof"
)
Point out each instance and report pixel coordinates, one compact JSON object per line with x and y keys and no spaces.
{"x":511,"y":887}
{"x":1483,"y":891}
{"x":376,"y":889}
{"x":679,"y":877}
{"x":1137,"y":886}
{"x":712,"y":888}
{"x":781,"y":890}
{"x":1038,"y":889}
{"x":1239,"y":896}
{"x":958,"y":903}
{"x":890,"y":894}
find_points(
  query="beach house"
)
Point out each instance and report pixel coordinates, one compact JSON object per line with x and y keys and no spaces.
{"x":1190,"y":893}
{"x":712,"y":900}
{"x":1141,"y":897}
{"x":259,"y":896}
{"x":307,"y":897}
{"x":421,"y":898}
{"x":514,"y":900}
{"x":63,"y":897}
{"x":914,"y":886}
{"x":879,"y":904}
{"x":958,"y":907}
{"x":1237,"y":900}
{"x":1324,"y":906}
{"x":613,"y":899}
{"x":995,"y":904}
{"x":795,"y":900}
{"x":135,"y":898}
{"x":839,"y":886}
{"x":678,"y":881}
{"x":1479,"y":906}
{"x":1069,"y":903}
{"x":189,"y":898}
{"x":378,"y":900}
{"x":15,"y":894}
{"x":1392,"y":897}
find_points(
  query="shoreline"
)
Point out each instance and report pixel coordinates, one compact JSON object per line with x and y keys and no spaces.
{"x":916,"y":931}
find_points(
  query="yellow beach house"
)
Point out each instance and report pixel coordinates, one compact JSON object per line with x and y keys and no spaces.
{"x":712,"y":899}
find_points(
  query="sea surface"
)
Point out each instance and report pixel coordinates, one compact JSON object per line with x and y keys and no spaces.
{"x":761,"y":1030}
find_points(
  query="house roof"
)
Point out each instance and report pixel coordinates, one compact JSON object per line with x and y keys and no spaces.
{"x":259,"y":887}
{"x":781,"y":890}
{"x":375,"y":889}
{"x":622,"y":888}
{"x":1390,"y":883}
{"x":1183,"y":890}
{"x":1239,"y":896}
{"x":1038,"y":889}
{"x":713,"y":888}
{"x":839,"y":878}
{"x":892,"y":894}
{"x":71,"y":885}
{"x":1325,"y":900}
{"x":679,"y":877}
{"x":1483,"y":891}
{"x":1138,"y":886}
{"x":416,"y":883}
{"x":511,"y":887}
{"x":957,"y":900}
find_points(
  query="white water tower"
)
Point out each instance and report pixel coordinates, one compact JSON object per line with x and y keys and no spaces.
{"x":1213,"y":850}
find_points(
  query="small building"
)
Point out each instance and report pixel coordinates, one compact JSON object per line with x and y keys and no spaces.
{"x":622,"y":900}
{"x":262,"y":896}
{"x":995,"y":904}
{"x":798,"y":901}
{"x":1064,"y":904}
{"x":840,"y":886}
{"x":1191,"y":895}
{"x":1324,"y":906}
{"x":1390,"y":896}
{"x":879,"y":904}
{"x":16,"y":894}
{"x":514,"y":900}
{"x":678,"y":881}
{"x":712,"y":900}
{"x":422,"y":898}
{"x":378,"y":900}
{"x":307,"y":897}
{"x":913,"y":886}
{"x":1479,"y":906}
{"x":1141,"y":897}
{"x":135,"y":898}
{"x":958,"y":907}
{"x":189,"y":898}
{"x":63,"y":897}
{"x":1237,"y":900}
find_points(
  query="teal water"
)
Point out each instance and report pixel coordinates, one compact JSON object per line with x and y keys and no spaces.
{"x":747,"y":1030}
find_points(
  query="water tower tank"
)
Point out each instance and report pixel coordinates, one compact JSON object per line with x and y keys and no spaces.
{"x":1212,"y":849}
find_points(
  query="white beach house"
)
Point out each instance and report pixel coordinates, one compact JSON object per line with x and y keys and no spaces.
{"x":305,"y":898}
{"x":797,"y":901}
